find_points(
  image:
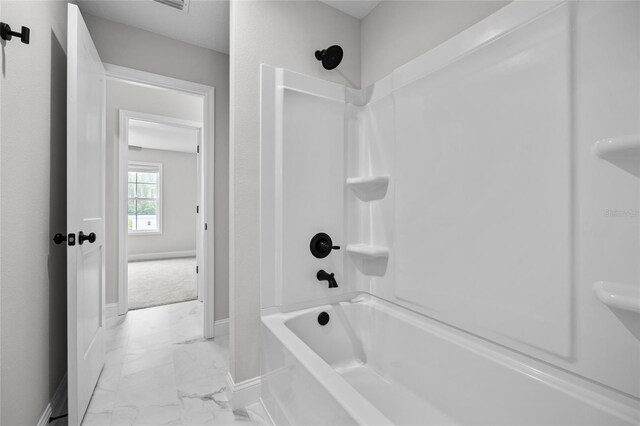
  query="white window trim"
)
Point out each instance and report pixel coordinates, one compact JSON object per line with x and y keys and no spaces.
{"x":151,"y":166}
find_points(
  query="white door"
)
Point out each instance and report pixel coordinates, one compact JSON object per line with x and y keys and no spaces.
{"x":85,"y":215}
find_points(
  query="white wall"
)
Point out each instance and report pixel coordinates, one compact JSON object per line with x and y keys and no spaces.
{"x":179,"y":198}
{"x":281,"y":34}
{"x":32,"y":208}
{"x":134,"y":48}
{"x":397,"y":31}
{"x":133,"y":97}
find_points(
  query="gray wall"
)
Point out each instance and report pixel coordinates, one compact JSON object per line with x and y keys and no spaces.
{"x":123,"y":45}
{"x":179,"y":198}
{"x":134,"y":97}
{"x":397,"y":31}
{"x":281,"y":34}
{"x":33,"y":284}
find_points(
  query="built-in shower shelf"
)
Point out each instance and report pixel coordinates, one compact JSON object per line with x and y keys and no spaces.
{"x":618,"y":295}
{"x":368,"y":251}
{"x":623,"y":147}
{"x":622,"y":151}
{"x":369,"y":188}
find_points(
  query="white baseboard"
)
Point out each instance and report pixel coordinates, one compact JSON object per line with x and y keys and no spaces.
{"x":56,"y":405}
{"x":244,"y":393}
{"x":111,"y":310}
{"x":164,"y":255}
{"x":221,"y":327}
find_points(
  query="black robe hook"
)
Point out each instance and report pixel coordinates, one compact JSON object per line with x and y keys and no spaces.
{"x":7,"y":34}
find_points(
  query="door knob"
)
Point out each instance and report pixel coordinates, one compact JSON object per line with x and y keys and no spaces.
{"x":82,"y":237}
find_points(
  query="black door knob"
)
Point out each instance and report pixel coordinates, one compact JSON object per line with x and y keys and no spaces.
{"x":82,"y":237}
{"x":59,"y":238}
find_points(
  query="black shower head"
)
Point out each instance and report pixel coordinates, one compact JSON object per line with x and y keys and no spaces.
{"x":330,"y":57}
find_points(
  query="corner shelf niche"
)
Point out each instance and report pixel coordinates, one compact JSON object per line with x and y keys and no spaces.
{"x":369,"y":188}
{"x":622,"y":151}
{"x":368,"y":251}
{"x":369,"y":259}
{"x":618,"y":295}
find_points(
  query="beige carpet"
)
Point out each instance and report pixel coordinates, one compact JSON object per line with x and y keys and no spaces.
{"x":161,"y":282}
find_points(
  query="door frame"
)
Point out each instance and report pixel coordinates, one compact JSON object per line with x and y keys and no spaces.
{"x":205,"y":158}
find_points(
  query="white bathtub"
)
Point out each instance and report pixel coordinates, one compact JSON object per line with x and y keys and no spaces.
{"x":376,"y":363}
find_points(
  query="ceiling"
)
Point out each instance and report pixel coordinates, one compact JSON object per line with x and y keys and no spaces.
{"x":167,"y":137}
{"x":356,"y":8}
{"x":203,"y":23}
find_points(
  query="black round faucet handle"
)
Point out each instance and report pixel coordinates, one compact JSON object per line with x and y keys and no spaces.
{"x":321,"y":245}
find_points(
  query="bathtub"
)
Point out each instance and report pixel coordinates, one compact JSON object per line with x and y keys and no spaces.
{"x":375,"y":363}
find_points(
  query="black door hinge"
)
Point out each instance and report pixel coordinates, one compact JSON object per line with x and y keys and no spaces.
{"x":205,"y":226}
{"x":198,"y":149}
{"x":196,"y":269}
{"x":197,"y":209}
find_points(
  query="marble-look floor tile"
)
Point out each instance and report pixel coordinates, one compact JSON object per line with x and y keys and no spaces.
{"x":152,"y":415}
{"x":197,"y":411}
{"x":160,"y":371}
{"x":97,"y":419}
{"x":258,"y":414}
{"x":140,"y":360}
{"x":154,"y":386}
{"x":102,"y":401}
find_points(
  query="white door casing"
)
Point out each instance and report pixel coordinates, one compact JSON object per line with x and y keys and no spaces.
{"x":206,"y":173}
{"x":85,"y":213}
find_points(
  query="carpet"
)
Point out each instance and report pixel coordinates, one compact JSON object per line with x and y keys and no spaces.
{"x":161,"y":282}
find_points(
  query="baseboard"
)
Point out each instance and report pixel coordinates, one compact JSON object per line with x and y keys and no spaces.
{"x":221,"y":327}
{"x":111,"y":310}
{"x":244,"y":393}
{"x":158,"y":256}
{"x":56,"y":405}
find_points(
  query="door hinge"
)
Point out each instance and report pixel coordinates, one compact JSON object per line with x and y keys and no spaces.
{"x":197,"y":209}
{"x":196,"y":269}
{"x":198,"y":149}
{"x":205,"y":226}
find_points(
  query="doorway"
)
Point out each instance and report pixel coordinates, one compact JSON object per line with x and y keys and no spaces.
{"x":162,"y":204}
{"x":164,"y":191}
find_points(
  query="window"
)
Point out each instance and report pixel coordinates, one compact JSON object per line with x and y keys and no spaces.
{"x":145,"y":192}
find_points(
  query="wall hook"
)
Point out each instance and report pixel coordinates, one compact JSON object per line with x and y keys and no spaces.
{"x":7,"y":34}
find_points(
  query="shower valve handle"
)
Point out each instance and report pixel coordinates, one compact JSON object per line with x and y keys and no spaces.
{"x":325,"y":246}
{"x":321,"y":245}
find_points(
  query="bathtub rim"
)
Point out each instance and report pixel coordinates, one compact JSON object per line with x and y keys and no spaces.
{"x":612,"y":401}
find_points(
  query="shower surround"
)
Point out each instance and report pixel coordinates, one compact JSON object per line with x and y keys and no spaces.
{"x":482,"y":276}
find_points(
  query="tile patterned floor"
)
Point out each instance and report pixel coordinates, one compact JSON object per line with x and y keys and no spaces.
{"x":160,"y":371}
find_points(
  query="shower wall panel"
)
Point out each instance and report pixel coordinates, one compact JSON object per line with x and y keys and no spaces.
{"x":483,"y":173}
{"x":303,"y":186}
{"x":506,"y":214}
{"x":492,"y":184}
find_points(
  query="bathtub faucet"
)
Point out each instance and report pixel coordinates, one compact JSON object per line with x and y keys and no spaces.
{"x":322,"y":275}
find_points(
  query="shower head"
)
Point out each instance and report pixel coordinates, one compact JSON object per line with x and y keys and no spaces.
{"x":330,"y":57}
